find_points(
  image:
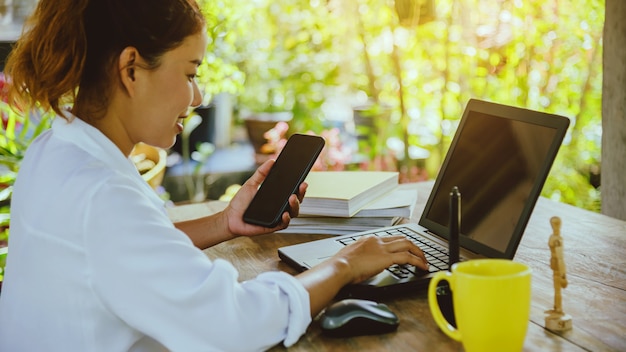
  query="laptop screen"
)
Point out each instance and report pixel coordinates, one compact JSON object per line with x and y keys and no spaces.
{"x":499,"y":159}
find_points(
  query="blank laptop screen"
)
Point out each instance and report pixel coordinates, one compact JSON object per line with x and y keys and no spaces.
{"x":498,"y":164}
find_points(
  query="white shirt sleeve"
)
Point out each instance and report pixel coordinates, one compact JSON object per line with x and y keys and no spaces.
{"x":149,"y":274}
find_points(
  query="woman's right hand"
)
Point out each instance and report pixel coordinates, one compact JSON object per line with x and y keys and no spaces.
{"x":370,"y":255}
{"x":357,"y":262}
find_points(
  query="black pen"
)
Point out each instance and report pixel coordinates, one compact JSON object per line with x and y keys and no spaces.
{"x":455,"y":225}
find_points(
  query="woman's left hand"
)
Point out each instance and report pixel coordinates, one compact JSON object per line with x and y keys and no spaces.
{"x":233,"y":214}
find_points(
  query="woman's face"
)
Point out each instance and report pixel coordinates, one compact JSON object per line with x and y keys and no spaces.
{"x":164,"y":95}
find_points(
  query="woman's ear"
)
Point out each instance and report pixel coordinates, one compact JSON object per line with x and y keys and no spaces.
{"x":127,"y":65}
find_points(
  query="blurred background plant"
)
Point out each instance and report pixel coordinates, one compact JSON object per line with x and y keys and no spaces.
{"x":335,"y":156}
{"x":193,"y":161}
{"x":274,"y":56}
{"x":411,"y":65}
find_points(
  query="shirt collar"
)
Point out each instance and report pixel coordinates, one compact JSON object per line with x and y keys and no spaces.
{"x":91,"y":140}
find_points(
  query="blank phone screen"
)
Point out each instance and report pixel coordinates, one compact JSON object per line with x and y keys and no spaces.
{"x":289,"y":171}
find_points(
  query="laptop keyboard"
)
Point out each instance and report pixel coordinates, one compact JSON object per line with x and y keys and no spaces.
{"x":436,"y":254}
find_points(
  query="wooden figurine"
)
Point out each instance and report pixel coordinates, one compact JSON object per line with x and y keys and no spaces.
{"x":555,"y":318}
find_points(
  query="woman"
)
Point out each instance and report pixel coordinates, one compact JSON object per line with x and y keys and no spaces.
{"x":95,"y":263}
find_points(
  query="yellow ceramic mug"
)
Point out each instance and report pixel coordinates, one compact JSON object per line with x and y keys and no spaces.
{"x":491,"y":299}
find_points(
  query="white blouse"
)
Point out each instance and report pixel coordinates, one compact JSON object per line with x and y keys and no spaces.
{"x":95,"y":264}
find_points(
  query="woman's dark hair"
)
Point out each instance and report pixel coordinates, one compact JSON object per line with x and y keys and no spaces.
{"x":68,"y":47}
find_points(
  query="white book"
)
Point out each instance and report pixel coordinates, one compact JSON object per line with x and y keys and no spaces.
{"x":344,"y":193}
{"x":399,"y":202}
{"x":330,"y":222}
{"x":339,"y":228}
{"x":383,"y":211}
{"x":323,"y":230}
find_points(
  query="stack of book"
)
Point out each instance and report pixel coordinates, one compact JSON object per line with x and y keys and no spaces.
{"x":340,"y":202}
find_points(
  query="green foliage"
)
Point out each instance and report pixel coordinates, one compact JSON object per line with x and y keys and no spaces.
{"x":284,"y":53}
{"x":219,"y":72}
{"x":194,"y":180}
{"x":542,"y":55}
{"x":5,"y":219}
{"x":3,"y":261}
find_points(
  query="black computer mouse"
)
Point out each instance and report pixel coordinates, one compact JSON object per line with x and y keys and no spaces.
{"x":354,"y":317}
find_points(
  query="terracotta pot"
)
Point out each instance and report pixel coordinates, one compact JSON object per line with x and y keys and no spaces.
{"x":259,"y":123}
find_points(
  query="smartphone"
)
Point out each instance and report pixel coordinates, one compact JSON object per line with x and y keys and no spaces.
{"x":290,"y":169}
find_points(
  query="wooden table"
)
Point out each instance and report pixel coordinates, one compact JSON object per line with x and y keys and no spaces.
{"x":594,"y":247}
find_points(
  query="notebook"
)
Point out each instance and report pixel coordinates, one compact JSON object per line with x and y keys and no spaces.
{"x":499,"y":159}
{"x":344,"y":193}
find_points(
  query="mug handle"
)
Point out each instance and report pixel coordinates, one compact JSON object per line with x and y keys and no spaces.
{"x":435,"y":310}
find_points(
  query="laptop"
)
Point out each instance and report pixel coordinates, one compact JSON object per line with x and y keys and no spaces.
{"x":499,"y":159}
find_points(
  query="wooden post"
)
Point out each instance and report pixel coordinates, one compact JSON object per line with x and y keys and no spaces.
{"x":614,"y":111}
